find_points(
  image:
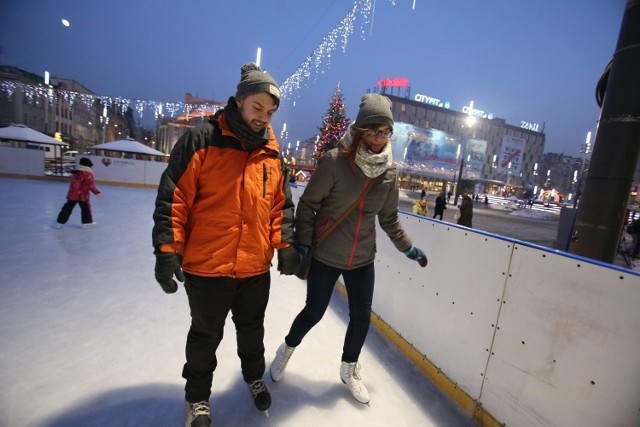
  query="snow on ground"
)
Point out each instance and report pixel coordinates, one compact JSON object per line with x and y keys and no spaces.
{"x":88,"y":338}
{"x":535,"y":214}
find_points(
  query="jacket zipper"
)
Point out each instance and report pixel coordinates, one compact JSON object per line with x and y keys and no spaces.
{"x":264,"y":180}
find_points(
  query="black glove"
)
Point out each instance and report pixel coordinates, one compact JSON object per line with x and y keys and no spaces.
{"x":168,"y":265}
{"x":288,"y":261}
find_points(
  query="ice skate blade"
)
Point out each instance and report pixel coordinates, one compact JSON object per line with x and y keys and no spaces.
{"x":266,"y":413}
{"x":356,"y":399}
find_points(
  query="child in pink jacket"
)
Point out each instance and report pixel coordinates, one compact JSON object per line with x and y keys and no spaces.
{"x":81,"y":184}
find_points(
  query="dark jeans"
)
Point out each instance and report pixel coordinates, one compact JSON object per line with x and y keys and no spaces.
{"x":67,"y":208}
{"x":210,"y":300}
{"x":359,"y":283}
{"x":438,"y":214}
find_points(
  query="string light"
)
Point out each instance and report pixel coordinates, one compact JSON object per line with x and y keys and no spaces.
{"x":320,"y":59}
{"x":36,"y":94}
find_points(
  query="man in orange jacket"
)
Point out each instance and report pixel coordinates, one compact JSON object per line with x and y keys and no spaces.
{"x":223,"y":206}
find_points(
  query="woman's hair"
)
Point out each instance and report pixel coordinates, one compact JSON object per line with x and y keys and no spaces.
{"x":357,"y":139}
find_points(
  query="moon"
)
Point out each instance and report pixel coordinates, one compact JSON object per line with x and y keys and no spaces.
{"x":65,"y":23}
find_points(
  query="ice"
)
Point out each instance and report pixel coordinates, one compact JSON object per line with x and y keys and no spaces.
{"x":88,"y":338}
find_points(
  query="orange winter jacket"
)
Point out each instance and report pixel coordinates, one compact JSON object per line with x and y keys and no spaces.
{"x":224,"y":209}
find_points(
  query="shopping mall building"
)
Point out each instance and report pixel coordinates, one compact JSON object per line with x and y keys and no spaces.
{"x":433,"y":143}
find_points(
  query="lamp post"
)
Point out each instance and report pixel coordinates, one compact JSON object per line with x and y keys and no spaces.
{"x":585,"y":149}
{"x":455,"y":180}
{"x":493,"y":166}
{"x":470,"y":122}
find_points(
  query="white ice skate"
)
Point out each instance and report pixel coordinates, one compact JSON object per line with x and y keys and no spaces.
{"x":279,"y":364}
{"x":350,"y":375}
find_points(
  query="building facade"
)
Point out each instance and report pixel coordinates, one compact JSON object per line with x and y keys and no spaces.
{"x":435,"y":143}
{"x":61,"y":108}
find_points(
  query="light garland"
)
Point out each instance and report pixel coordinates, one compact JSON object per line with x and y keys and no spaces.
{"x":317,"y":63}
{"x":35,"y":94}
{"x":320,"y":59}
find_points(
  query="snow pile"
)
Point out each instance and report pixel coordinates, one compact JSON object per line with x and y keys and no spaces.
{"x":536,"y":214}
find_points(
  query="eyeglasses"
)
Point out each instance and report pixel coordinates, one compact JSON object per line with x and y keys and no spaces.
{"x":383,"y":133}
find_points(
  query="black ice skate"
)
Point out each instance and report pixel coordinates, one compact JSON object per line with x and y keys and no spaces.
{"x":261,"y":396}
{"x":198,"y":414}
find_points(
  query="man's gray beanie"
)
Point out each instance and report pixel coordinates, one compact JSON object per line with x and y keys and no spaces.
{"x":375,"y":109}
{"x":254,"y":80}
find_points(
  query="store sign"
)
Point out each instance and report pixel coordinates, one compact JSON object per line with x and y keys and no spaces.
{"x":395,"y":82}
{"x":475,"y":112}
{"x":530,"y":126}
{"x":431,"y":101}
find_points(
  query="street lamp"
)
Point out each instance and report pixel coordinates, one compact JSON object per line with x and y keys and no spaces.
{"x":585,"y":149}
{"x":471,"y":120}
{"x":455,"y":180}
{"x":493,"y":165}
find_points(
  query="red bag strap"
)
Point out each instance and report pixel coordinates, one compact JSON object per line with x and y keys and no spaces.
{"x":346,"y":213}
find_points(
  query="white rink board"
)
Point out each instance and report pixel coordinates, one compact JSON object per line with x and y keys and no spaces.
{"x":21,"y":161}
{"x":448,"y":310}
{"x":567,"y":351}
{"x":126,"y":171}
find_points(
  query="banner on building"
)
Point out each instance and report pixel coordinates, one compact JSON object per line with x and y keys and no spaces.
{"x":436,"y":153}
{"x":511,"y":154}
{"x":475,"y":155}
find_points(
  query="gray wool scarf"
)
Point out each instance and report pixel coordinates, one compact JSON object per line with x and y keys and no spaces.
{"x":374,"y":164}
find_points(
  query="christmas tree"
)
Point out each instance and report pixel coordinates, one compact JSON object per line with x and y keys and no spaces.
{"x":335,"y":125}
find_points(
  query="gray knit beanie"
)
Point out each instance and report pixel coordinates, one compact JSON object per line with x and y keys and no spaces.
{"x":254,"y":80}
{"x":375,"y":109}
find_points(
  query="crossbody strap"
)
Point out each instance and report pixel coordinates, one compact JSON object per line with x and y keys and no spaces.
{"x":346,"y":213}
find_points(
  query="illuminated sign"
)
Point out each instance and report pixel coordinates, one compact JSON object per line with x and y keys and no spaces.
{"x":396,"y":82}
{"x":431,"y":100}
{"x":530,"y":126}
{"x":469,"y":109}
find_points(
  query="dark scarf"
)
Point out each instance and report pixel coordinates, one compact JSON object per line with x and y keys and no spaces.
{"x":249,"y":140}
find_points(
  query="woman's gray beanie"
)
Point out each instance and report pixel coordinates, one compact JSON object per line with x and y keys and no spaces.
{"x":254,"y":80}
{"x":374,"y":109}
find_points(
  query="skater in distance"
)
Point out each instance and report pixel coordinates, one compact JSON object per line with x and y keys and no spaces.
{"x":349,"y":250}
{"x":223,"y":206}
{"x":79,"y":188}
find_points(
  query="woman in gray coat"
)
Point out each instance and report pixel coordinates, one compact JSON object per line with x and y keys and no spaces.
{"x":349,"y":250}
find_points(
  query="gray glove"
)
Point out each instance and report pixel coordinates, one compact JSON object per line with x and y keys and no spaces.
{"x":288,"y":261}
{"x":416,"y":254}
{"x":168,"y":265}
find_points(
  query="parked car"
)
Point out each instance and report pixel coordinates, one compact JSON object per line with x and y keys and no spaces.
{"x":69,"y":156}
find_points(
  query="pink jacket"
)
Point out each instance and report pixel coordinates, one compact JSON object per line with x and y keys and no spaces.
{"x":81,"y":184}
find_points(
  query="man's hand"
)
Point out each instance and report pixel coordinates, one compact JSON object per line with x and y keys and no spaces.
{"x":288,"y":261}
{"x":168,"y":265}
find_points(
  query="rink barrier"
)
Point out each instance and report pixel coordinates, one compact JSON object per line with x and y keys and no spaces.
{"x":517,"y":334}
{"x":23,"y":163}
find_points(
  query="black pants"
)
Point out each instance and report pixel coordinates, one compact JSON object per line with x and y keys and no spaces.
{"x":67,"y":208}
{"x":210,"y":300}
{"x":322,"y":279}
{"x":438,"y":214}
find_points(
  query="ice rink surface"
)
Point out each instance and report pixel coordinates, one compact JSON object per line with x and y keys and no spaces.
{"x":88,"y":338}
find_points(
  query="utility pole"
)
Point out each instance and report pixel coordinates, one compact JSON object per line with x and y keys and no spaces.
{"x":602,"y":208}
